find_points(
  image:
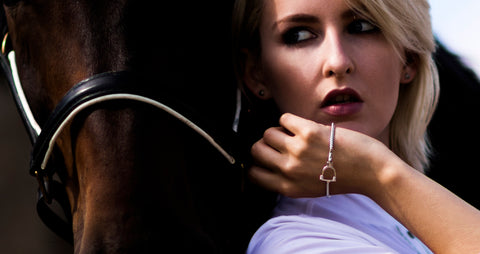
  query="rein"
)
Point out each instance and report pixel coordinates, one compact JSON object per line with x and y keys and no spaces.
{"x":99,"y":88}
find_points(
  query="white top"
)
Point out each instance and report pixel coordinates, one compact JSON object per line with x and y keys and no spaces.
{"x":349,"y":223}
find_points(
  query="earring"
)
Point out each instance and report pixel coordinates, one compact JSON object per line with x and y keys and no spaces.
{"x":407,"y":76}
{"x":261,"y":93}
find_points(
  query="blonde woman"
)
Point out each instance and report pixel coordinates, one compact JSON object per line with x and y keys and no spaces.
{"x":356,"y":85}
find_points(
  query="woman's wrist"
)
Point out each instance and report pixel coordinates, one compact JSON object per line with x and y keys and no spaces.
{"x":387,"y":174}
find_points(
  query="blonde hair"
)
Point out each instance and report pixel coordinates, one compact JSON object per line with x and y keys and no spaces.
{"x":407,"y":27}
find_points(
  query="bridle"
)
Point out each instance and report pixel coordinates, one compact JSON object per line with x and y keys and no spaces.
{"x":99,"y":88}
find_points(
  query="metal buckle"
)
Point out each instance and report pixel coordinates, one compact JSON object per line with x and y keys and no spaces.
{"x":43,"y":186}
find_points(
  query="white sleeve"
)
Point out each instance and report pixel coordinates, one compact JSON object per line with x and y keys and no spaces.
{"x":302,"y":235}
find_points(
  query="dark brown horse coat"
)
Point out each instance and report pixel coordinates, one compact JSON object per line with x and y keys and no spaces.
{"x":137,"y":179}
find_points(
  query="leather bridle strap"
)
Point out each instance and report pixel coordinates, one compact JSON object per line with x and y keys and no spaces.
{"x":18,"y":95}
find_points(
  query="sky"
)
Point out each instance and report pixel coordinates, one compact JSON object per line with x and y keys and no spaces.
{"x":457,"y":24}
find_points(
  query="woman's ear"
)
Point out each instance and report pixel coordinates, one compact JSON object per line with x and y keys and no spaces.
{"x":253,"y":77}
{"x":409,"y":71}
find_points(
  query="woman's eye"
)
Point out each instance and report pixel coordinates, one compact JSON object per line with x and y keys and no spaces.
{"x":361,"y":26}
{"x":297,"y":35}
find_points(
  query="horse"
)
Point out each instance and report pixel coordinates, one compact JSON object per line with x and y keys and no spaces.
{"x":129,"y":107}
{"x":453,"y":130}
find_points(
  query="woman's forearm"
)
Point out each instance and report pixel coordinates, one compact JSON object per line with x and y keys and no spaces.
{"x":444,"y":222}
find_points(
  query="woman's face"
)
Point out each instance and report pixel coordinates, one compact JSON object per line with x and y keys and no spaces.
{"x":322,"y":62}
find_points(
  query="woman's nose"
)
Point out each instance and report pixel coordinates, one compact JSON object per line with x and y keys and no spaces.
{"x":337,"y":60}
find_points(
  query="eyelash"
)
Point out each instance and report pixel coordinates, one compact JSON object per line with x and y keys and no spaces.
{"x":352,"y":28}
{"x":293,"y":36}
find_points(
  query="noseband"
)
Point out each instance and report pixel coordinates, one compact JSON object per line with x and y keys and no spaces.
{"x":99,"y":88}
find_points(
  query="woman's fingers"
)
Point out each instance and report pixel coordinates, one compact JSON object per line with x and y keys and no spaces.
{"x":286,"y":186}
{"x":303,"y":127}
{"x":266,"y":178}
{"x":272,"y":150}
{"x":294,"y":149}
{"x":266,"y":156}
{"x":288,"y":159}
{"x":277,"y":138}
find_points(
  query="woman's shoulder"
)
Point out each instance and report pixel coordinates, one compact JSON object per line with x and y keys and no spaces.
{"x":351,"y":221}
{"x":305,"y":234}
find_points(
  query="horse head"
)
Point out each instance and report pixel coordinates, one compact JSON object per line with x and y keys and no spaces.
{"x":137,"y":179}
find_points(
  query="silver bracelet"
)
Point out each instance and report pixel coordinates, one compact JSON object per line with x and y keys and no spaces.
{"x":329,"y":165}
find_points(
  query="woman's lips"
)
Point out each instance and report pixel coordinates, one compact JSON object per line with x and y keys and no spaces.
{"x":343,"y":109}
{"x":342,"y":102}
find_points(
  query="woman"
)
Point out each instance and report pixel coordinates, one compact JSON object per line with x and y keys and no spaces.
{"x":365,"y":66}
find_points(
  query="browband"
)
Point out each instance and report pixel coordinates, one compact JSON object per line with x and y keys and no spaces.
{"x":99,"y":88}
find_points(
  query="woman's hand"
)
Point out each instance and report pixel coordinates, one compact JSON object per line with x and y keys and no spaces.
{"x":290,"y":158}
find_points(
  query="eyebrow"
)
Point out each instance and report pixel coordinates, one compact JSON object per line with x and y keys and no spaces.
{"x":297,"y":18}
{"x":307,"y":18}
